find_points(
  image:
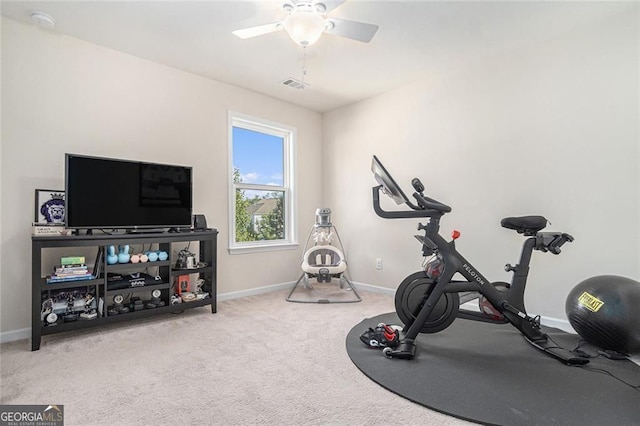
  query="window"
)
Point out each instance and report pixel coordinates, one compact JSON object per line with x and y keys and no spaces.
{"x":261,"y":195}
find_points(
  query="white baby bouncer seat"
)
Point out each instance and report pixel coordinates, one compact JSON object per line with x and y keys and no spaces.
{"x":321,"y":264}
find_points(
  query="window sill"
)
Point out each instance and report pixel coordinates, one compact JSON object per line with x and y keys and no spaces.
{"x":257,"y":248}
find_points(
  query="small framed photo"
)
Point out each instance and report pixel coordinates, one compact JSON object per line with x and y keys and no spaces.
{"x":184,"y":284}
{"x":49,"y":207}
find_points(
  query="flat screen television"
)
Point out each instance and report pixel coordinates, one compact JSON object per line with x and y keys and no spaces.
{"x":108,"y":193}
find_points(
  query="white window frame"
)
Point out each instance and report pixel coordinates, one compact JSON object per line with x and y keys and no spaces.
{"x":289,"y":135}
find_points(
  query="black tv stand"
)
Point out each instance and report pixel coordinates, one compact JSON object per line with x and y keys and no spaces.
{"x":136,"y":231}
{"x":178,"y":230}
{"x":102,"y":288}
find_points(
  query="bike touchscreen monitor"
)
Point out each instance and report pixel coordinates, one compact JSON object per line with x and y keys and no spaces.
{"x":389,"y":186}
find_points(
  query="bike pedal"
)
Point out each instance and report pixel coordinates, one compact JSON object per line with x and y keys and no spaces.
{"x":389,"y":336}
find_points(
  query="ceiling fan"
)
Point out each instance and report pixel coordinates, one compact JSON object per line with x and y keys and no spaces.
{"x":306,"y":22}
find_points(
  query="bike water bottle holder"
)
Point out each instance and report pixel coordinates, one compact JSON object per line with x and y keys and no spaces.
{"x":428,"y":246}
{"x":434,"y":267}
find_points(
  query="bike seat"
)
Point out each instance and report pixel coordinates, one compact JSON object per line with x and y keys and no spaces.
{"x":527,"y":225}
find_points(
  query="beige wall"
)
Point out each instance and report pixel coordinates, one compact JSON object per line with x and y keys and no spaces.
{"x":61,"y":94}
{"x":550,"y":130}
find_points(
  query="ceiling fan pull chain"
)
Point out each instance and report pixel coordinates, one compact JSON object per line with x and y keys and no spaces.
{"x":304,"y":62}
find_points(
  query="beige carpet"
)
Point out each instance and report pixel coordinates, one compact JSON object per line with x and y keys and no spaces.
{"x":259,"y":360}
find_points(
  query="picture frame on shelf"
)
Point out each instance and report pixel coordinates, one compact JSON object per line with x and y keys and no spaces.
{"x":49,"y":207}
{"x":183,"y":284}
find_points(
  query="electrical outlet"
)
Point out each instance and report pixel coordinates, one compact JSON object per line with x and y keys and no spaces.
{"x":378,"y":263}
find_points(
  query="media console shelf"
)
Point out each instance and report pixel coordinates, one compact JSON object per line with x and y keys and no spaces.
{"x":100,"y":289}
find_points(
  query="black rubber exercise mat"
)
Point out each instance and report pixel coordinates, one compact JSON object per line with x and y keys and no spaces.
{"x":488,"y":373}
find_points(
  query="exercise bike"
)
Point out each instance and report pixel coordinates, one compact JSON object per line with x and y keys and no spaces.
{"x":428,"y":301}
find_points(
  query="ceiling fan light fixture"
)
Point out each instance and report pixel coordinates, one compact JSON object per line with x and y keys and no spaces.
{"x":304,"y":27}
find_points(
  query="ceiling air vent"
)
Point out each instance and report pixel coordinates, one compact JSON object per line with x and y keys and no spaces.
{"x":296,"y":84}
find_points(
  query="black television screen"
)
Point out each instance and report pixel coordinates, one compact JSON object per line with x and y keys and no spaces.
{"x":123,"y":194}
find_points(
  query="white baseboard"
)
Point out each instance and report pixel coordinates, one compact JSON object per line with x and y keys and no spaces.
{"x":562,"y":324}
{"x":254,"y":291}
{"x":25,"y":333}
{"x":374,"y":288}
{"x":289,"y":285}
{"x":13,"y":335}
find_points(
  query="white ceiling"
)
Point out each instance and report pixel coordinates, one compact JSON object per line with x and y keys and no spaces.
{"x":416,"y":39}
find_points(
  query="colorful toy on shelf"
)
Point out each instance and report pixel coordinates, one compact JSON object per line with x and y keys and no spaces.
{"x":123,"y":255}
{"x":152,"y":255}
{"x":112,"y":257}
{"x":162,"y":255}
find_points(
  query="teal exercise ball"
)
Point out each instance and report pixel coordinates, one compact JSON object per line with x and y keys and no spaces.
{"x":605,"y":311}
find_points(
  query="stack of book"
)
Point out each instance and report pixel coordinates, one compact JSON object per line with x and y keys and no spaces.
{"x":50,"y":229}
{"x":70,"y":269}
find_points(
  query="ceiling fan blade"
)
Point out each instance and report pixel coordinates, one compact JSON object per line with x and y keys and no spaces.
{"x":330,"y":4}
{"x":351,"y":29}
{"x":259,"y":30}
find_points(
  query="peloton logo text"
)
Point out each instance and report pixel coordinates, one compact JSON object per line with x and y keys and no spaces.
{"x":473,"y":274}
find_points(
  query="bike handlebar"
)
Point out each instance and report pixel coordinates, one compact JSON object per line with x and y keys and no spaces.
{"x":430,"y":203}
{"x":551,"y":241}
{"x":425,"y":207}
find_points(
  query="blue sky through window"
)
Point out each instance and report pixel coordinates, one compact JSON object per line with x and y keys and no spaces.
{"x":258,"y":156}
